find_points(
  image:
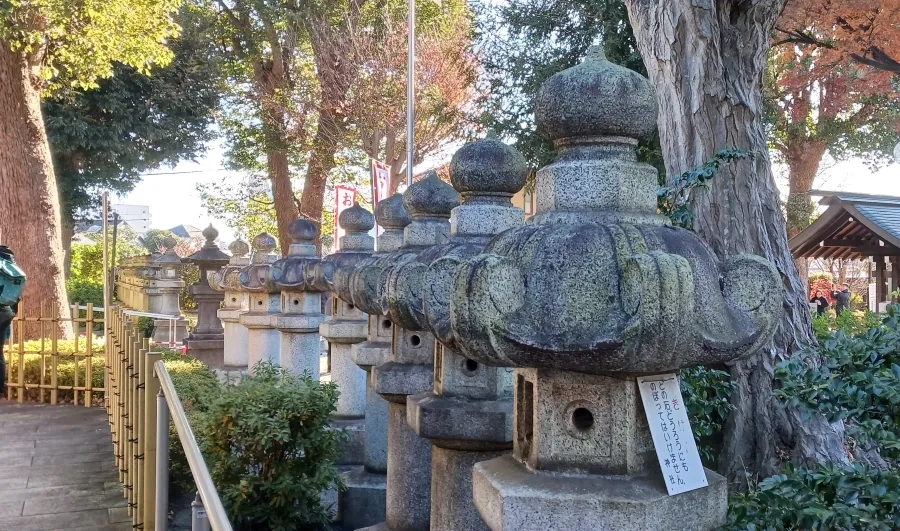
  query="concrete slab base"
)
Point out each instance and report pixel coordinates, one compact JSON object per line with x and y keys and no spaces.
{"x":363,"y":503}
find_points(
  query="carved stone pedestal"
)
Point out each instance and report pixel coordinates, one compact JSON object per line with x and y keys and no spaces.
{"x":584,"y":460}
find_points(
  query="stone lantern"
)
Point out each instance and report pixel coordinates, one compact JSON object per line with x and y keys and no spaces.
{"x":411,"y":367}
{"x":236,"y":301}
{"x":264,"y":339}
{"x":597,"y":290}
{"x":486,"y":174}
{"x":347,"y":327}
{"x":163,"y":291}
{"x":301,"y":300}
{"x":363,"y":502}
{"x":207,"y":341}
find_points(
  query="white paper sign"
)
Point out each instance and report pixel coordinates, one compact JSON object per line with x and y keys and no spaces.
{"x":672,"y":434}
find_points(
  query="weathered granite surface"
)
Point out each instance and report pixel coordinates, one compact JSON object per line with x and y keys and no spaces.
{"x":206,"y":341}
{"x":364,"y":502}
{"x":301,"y":302}
{"x":410,"y":369}
{"x":468,"y":415}
{"x":597,"y":289}
{"x":236,"y":301}
{"x":264,"y":339}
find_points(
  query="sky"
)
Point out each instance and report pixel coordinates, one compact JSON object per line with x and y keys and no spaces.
{"x":174,"y":200}
{"x":172,"y":194}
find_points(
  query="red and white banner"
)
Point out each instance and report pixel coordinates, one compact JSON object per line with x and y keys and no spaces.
{"x":381,"y":179}
{"x":345,"y":197}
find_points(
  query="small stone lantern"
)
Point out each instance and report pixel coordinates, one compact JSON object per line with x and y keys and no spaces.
{"x":207,"y":341}
{"x":264,"y":342}
{"x":236,"y":300}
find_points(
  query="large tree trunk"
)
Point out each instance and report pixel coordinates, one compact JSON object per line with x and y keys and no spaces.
{"x":803,"y":157}
{"x":29,"y":201}
{"x":707,"y":59}
{"x":283,"y":196}
{"x":321,"y":162}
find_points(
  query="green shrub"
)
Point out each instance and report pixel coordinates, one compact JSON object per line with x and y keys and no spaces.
{"x":853,"y":375}
{"x":197,"y":387}
{"x":854,"y":378}
{"x":828,"y":497}
{"x":706,"y":393}
{"x":35,"y":366}
{"x":85,"y":292}
{"x":146,"y":326}
{"x":272,"y":450}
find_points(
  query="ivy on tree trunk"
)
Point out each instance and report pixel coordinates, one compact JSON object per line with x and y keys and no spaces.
{"x":706,"y":59}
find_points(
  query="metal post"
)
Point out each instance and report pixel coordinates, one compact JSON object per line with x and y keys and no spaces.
{"x":411,"y":94}
{"x":150,"y":434}
{"x":162,"y":462}
{"x":199,"y":518}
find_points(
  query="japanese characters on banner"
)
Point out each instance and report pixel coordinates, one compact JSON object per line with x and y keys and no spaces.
{"x":672,"y":434}
{"x":345,"y":197}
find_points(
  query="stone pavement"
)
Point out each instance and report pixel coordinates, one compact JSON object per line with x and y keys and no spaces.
{"x":57,"y":470}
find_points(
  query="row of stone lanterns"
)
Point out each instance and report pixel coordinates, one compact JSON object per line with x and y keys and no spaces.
{"x":498,"y":386}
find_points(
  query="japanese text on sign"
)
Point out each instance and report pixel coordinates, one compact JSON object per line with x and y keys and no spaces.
{"x":672,"y":434}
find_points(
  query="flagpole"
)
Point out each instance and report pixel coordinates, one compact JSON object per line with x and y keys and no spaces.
{"x":410,"y":93}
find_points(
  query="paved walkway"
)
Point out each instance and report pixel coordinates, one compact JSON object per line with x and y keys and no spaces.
{"x":57,"y":470}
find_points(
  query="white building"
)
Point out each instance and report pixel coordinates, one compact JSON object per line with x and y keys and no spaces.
{"x":137,"y":216}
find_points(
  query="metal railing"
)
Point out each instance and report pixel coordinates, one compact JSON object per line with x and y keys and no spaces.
{"x":50,"y":368}
{"x":168,"y":405}
{"x":141,"y":402}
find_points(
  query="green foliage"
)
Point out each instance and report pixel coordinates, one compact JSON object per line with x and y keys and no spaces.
{"x":855,"y":378}
{"x":87,"y":259}
{"x":853,"y":375}
{"x":145,"y":326}
{"x":85,"y":292}
{"x":824,"y":498}
{"x":272,"y":450}
{"x":673,"y":199}
{"x":74,"y":43}
{"x":132,"y":123}
{"x":526,"y":42}
{"x":706,"y":394}
{"x":152,"y":240}
{"x":197,"y":387}
{"x":37,"y":367}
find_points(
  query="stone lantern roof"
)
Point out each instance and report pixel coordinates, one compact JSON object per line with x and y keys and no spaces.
{"x":366,"y":278}
{"x":599,"y":282}
{"x":294,"y":272}
{"x":256,"y":277}
{"x":228,"y":278}
{"x":354,"y":247}
{"x":209,"y":255}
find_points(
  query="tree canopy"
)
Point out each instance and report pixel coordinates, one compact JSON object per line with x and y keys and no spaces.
{"x":76,"y":43}
{"x":131,"y":123}
{"x":524,"y":43}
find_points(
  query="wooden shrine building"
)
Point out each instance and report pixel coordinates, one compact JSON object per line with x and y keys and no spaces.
{"x":856,"y":227}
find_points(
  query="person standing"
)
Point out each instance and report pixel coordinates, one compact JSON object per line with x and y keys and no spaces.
{"x":841,"y":298}
{"x":821,"y":302}
{"x":12,"y":282}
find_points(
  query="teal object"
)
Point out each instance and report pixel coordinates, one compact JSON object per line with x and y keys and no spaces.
{"x":12,"y":278}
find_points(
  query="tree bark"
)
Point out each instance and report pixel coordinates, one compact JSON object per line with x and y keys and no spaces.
{"x":283,"y":196}
{"x":706,"y":59}
{"x":803,"y":157}
{"x":321,"y":162}
{"x":29,"y":201}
